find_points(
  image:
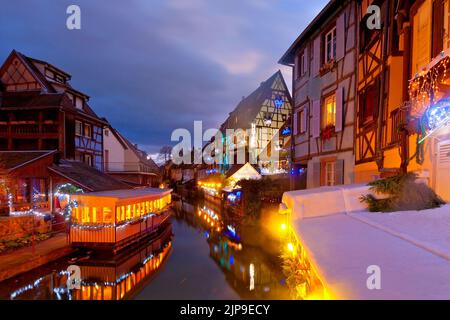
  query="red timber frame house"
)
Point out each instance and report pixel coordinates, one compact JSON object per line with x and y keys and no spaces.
{"x":40,"y":110}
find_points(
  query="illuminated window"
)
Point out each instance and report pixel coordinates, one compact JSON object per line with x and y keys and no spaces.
{"x":87,"y":130}
{"x":329,"y":111}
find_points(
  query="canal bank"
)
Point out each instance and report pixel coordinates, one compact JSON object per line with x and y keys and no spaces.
{"x":26,"y":259}
{"x":345,"y":244}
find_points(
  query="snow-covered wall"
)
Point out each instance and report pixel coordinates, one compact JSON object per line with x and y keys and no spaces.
{"x":325,"y":201}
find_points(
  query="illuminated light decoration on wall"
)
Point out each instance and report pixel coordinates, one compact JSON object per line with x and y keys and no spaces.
{"x":425,"y":86}
{"x":437,"y":117}
{"x":234,"y":196}
{"x":286,"y":131}
{"x":32,"y":211}
{"x":278,"y":102}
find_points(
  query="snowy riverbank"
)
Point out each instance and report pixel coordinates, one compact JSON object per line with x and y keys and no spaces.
{"x":342,"y":240}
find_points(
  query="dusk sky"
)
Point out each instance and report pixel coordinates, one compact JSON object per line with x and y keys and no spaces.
{"x":156,"y":65}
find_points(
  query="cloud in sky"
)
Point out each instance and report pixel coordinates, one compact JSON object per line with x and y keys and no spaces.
{"x":151,"y":66}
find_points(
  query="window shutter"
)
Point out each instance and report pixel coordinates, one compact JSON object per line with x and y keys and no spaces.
{"x":339,"y":172}
{"x":296,"y":67}
{"x":316,"y":119}
{"x":340,"y":37}
{"x":339,"y":108}
{"x":317,"y":56}
{"x":438,"y":27}
{"x":306,"y":60}
{"x":305,"y":120}
{"x":316,"y":175}
{"x":295,"y":123}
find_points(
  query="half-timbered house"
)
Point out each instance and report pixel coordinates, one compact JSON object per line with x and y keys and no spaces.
{"x":324,"y":59}
{"x":380,"y":141}
{"x":40,"y":110}
{"x":257,"y":121}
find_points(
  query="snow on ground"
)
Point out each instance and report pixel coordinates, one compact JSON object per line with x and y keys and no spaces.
{"x":343,"y":240}
{"x":342,"y":248}
{"x":428,"y":229}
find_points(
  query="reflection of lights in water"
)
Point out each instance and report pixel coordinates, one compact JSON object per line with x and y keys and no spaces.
{"x":290,"y":247}
{"x":252,"y":277}
{"x":85,"y":284}
{"x":232,"y":230}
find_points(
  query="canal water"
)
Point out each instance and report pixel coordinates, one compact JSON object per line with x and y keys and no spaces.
{"x":203,"y":253}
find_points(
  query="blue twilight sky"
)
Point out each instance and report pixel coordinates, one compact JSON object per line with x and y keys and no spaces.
{"x":151,"y":66}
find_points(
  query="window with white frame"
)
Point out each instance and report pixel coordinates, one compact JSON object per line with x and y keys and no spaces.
{"x":330,"y":45}
{"x":301,"y":118}
{"x":78,"y":128}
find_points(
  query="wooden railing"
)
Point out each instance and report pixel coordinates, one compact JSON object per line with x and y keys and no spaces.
{"x":396,"y":122}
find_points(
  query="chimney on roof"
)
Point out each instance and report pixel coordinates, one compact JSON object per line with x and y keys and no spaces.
{"x":136,"y":146}
{"x":262,"y":83}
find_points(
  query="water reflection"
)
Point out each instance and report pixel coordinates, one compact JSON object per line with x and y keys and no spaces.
{"x":233,"y":259}
{"x":103,"y":276}
{"x":246,"y":255}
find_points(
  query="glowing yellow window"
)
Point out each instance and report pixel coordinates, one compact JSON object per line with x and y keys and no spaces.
{"x":329,"y":111}
{"x":107,"y":215}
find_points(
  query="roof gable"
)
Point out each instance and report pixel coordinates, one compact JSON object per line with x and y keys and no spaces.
{"x":18,"y":74}
{"x":250,"y":107}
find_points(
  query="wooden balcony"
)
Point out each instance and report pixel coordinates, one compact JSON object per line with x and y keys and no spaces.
{"x":28,"y":130}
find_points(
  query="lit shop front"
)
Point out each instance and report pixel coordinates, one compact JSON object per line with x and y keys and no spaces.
{"x":115,"y":219}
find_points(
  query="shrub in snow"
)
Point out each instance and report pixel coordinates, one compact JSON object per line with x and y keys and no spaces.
{"x":404,"y":193}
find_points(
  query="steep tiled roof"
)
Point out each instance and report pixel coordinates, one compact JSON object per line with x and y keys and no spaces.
{"x":248,"y":109}
{"x":10,"y":160}
{"x":86,"y":176}
{"x":34,"y":99}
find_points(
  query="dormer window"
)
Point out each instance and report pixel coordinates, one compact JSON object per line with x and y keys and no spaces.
{"x":330,"y":45}
{"x":59,"y":78}
{"x":79,"y":103}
